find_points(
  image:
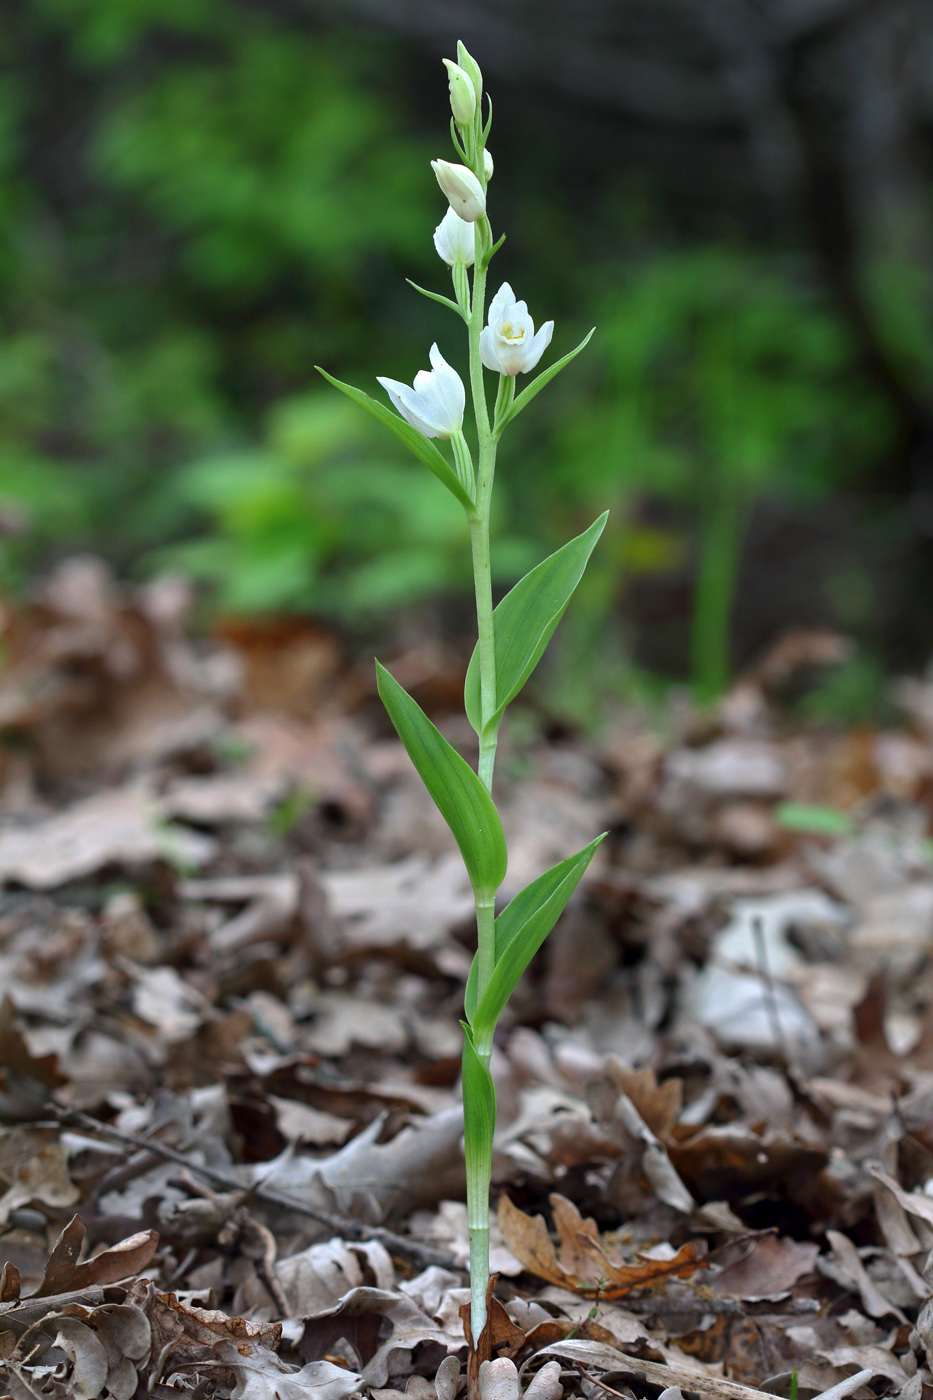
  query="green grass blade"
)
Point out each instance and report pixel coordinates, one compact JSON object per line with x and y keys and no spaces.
{"x":545,"y":377}
{"x":422,"y":447}
{"x":458,"y":793}
{"x":526,"y":619}
{"x":479,"y":1117}
{"x":522,"y":927}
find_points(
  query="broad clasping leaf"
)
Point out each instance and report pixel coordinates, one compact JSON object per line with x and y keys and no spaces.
{"x":521,"y":928}
{"x":525,"y":621}
{"x":458,"y":793}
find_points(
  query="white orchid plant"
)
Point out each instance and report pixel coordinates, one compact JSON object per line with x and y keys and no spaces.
{"x":512,"y":637}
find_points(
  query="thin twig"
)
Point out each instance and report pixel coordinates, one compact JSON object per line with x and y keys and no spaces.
{"x":341,"y":1225}
{"x":761,"y":952}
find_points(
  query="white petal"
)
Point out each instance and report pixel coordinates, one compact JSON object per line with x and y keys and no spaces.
{"x":487,"y":350}
{"x":538,"y":346}
{"x":511,"y":357}
{"x":455,"y":240}
{"x":502,"y":302}
{"x":406,"y":402}
{"x":447,"y":393}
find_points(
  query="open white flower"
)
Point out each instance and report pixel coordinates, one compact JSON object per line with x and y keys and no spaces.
{"x":464,"y":192}
{"x":435,"y":404}
{"x":508,"y":343}
{"x":455,"y":240}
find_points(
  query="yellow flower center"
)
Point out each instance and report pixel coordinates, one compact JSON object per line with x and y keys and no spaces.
{"x":508,"y":331}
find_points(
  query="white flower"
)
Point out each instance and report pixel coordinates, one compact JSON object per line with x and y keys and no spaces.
{"x":462,"y":94}
{"x":462,"y":189}
{"x":488,"y":165}
{"x":508,"y":343}
{"x":435,"y":405}
{"x":454,"y":240}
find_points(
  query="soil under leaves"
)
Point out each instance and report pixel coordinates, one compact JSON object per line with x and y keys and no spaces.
{"x":234,"y":938}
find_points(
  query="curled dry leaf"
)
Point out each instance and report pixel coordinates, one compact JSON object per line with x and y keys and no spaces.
{"x":124,"y":1260}
{"x":583,"y":1266}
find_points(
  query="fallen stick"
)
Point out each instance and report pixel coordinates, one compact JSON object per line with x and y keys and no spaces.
{"x":354,"y":1229}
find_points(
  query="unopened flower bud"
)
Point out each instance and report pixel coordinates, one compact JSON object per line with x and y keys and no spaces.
{"x":462,"y":94}
{"x":488,"y":164}
{"x":470,"y":66}
{"x":464,"y":192}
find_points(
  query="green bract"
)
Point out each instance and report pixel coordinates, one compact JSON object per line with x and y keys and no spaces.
{"x":511,"y":639}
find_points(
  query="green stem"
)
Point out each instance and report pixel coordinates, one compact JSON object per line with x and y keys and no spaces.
{"x":478,"y":1189}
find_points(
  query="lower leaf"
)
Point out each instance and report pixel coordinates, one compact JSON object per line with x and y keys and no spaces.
{"x":522,"y":927}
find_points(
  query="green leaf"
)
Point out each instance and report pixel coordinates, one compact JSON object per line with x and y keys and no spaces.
{"x":435,"y":296}
{"x":526,"y":620}
{"x":479,"y":1117}
{"x":522,"y":927}
{"x":545,"y":377}
{"x":422,"y":447}
{"x":461,"y":798}
{"x":813,"y":820}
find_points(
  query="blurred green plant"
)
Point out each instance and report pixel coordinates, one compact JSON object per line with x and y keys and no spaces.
{"x":196,"y":202}
{"x":324,"y":518}
{"x":724,"y":378}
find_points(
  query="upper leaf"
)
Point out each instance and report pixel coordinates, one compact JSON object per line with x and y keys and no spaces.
{"x":525,"y":621}
{"x":461,"y":798}
{"x":422,"y":447}
{"x":521,"y":928}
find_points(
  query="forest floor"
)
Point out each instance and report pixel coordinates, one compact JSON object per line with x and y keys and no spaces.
{"x":234,"y":937}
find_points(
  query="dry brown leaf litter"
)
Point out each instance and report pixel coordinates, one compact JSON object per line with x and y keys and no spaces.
{"x":233,"y":942}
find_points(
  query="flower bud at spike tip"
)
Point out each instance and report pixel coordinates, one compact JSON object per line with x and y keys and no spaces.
{"x":488,"y":164}
{"x":470,"y":66}
{"x":464,"y":192}
{"x":462,"y":94}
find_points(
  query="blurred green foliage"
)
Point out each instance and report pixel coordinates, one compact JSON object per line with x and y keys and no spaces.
{"x":199,"y":199}
{"x":723,"y":376}
{"x":326,"y":517}
{"x":198,"y":202}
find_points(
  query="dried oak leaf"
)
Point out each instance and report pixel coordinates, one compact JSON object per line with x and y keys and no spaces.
{"x":583,"y":1265}
{"x":188,"y":1336}
{"x":124,"y":1260}
{"x":771,"y":1266}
